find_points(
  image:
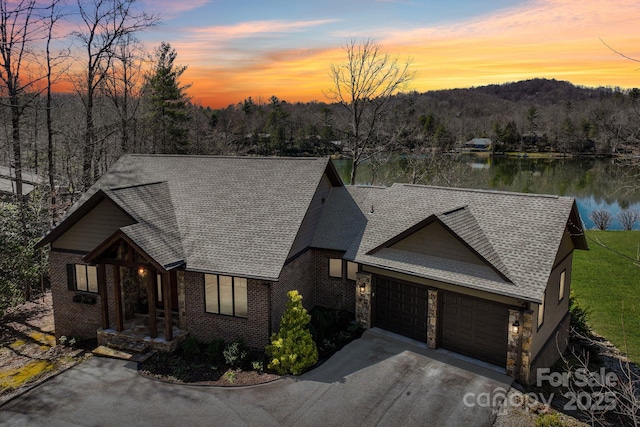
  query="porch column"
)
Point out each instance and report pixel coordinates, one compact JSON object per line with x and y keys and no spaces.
{"x":166,"y":300}
{"x":363,"y":299}
{"x":432,"y":319}
{"x":102,"y":291}
{"x":151,"y":292}
{"x":117,"y":286}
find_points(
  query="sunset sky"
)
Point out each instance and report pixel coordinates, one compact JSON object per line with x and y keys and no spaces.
{"x":236,"y":49}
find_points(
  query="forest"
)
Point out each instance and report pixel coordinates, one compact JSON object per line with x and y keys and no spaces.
{"x":129,"y":98}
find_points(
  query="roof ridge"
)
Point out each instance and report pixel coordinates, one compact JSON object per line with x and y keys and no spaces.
{"x":126,"y":187}
{"x":478,"y":190}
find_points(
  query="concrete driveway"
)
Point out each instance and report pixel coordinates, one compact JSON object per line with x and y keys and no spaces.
{"x":376,"y":380}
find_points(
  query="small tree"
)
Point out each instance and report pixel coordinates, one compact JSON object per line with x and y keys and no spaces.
{"x":628,"y":218}
{"x":601,"y":218}
{"x":292,"y":349}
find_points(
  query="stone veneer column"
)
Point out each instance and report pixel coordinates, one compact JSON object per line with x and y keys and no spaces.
{"x":182,"y":301}
{"x":363,"y":299}
{"x":525,"y":349}
{"x":432,"y":319}
{"x":513,"y":344}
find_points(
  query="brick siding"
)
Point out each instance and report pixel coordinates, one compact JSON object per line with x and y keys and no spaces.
{"x":71,"y":319}
{"x":333,"y":292}
{"x":299,"y":275}
{"x":206,"y":326}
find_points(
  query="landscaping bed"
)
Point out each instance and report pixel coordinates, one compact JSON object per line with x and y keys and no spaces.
{"x":232,"y":364}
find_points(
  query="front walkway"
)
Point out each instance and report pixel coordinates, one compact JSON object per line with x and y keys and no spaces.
{"x":376,"y":380}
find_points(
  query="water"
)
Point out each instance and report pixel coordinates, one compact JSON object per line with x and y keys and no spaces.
{"x":607,"y":184}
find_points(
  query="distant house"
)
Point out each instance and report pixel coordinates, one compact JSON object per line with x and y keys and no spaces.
{"x":478,"y":144}
{"x":164,"y":246}
{"x":8,"y":182}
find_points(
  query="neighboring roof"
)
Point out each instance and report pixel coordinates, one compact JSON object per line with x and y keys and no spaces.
{"x":228,"y":215}
{"x":479,"y":141}
{"x":9,"y":186}
{"x":518,"y":235}
{"x":27,"y":176}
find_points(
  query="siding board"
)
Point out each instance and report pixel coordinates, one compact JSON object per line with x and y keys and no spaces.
{"x":435,"y":240}
{"x":93,"y":228}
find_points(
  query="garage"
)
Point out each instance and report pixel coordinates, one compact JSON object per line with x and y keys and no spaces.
{"x":401,"y":308}
{"x":474,"y":327}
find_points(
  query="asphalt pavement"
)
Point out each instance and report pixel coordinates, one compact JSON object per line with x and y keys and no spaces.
{"x":379,"y":379}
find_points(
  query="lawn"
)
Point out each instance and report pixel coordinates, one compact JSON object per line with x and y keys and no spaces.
{"x":607,"y":284}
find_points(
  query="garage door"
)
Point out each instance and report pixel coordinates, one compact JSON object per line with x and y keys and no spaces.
{"x":474,"y":327}
{"x":401,"y":308}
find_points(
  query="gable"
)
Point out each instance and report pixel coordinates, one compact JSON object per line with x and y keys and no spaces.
{"x":93,"y":228}
{"x":434,"y":240}
{"x":312,"y":217}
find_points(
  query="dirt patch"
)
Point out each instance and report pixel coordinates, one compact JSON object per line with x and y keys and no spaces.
{"x":29,"y":353}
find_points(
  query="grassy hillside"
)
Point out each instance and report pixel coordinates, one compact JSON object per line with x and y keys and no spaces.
{"x":607,"y":284}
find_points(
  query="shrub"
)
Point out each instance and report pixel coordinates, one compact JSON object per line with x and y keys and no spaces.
{"x":292,"y":349}
{"x":578,"y":317}
{"x":550,"y":420}
{"x":215,"y":350}
{"x":191,"y":347}
{"x":235,"y":353}
{"x":628,"y":218}
{"x":601,"y":218}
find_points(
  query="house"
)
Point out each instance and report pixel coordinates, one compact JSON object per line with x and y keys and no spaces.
{"x":478,"y":144}
{"x":209,"y":246}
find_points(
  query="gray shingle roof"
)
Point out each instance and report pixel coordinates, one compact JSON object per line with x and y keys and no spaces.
{"x":156,"y":230}
{"x":517,"y":234}
{"x":233,"y":215}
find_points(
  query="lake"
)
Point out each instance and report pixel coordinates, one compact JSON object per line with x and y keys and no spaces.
{"x":595,"y":183}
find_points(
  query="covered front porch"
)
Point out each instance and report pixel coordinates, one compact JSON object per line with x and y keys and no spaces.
{"x":139,"y":301}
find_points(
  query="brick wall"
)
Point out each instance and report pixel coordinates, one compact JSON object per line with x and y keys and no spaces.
{"x":333,"y":292}
{"x":72,"y":318}
{"x":206,"y":326}
{"x":299,"y":274}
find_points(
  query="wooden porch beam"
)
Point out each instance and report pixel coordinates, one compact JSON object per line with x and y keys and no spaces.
{"x":166,"y":300}
{"x":151,"y":300}
{"x":118,"y":291}
{"x":104,"y":299}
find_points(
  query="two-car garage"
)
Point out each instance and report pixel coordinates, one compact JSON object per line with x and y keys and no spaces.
{"x":467,"y":325}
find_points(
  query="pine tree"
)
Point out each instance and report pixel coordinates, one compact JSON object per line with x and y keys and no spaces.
{"x":168,"y":103}
{"x":292,"y":349}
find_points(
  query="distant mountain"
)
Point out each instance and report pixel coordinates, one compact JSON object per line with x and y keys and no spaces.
{"x":545,"y":91}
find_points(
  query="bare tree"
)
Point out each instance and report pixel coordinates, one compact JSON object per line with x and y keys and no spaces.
{"x":124,"y":83}
{"x":104,"y":23}
{"x":363,"y":85}
{"x":628,"y":218}
{"x":19,"y":29}
{"x":601,"y":218}
{"x":53,"y":62}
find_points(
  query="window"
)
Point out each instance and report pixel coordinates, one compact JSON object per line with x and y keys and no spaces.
{"x":82,"y":277}
{"x":335,"y":267}
{"x":541,"y":311}
{"x":561,"y":290}
{"x":225,"y":295}
{"x":352,"y":269}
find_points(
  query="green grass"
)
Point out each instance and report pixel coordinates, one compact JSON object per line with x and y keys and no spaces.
{"x":607,"y":285}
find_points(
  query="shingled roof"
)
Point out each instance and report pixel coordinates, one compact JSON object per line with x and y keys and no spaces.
{"x":228,"y":215}
{"x":518,"y":235}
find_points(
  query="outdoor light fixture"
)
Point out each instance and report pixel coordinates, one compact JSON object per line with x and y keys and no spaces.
{"x":142,"y":272}
{"x":515,"y":327}
{"x":363,"y":288}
